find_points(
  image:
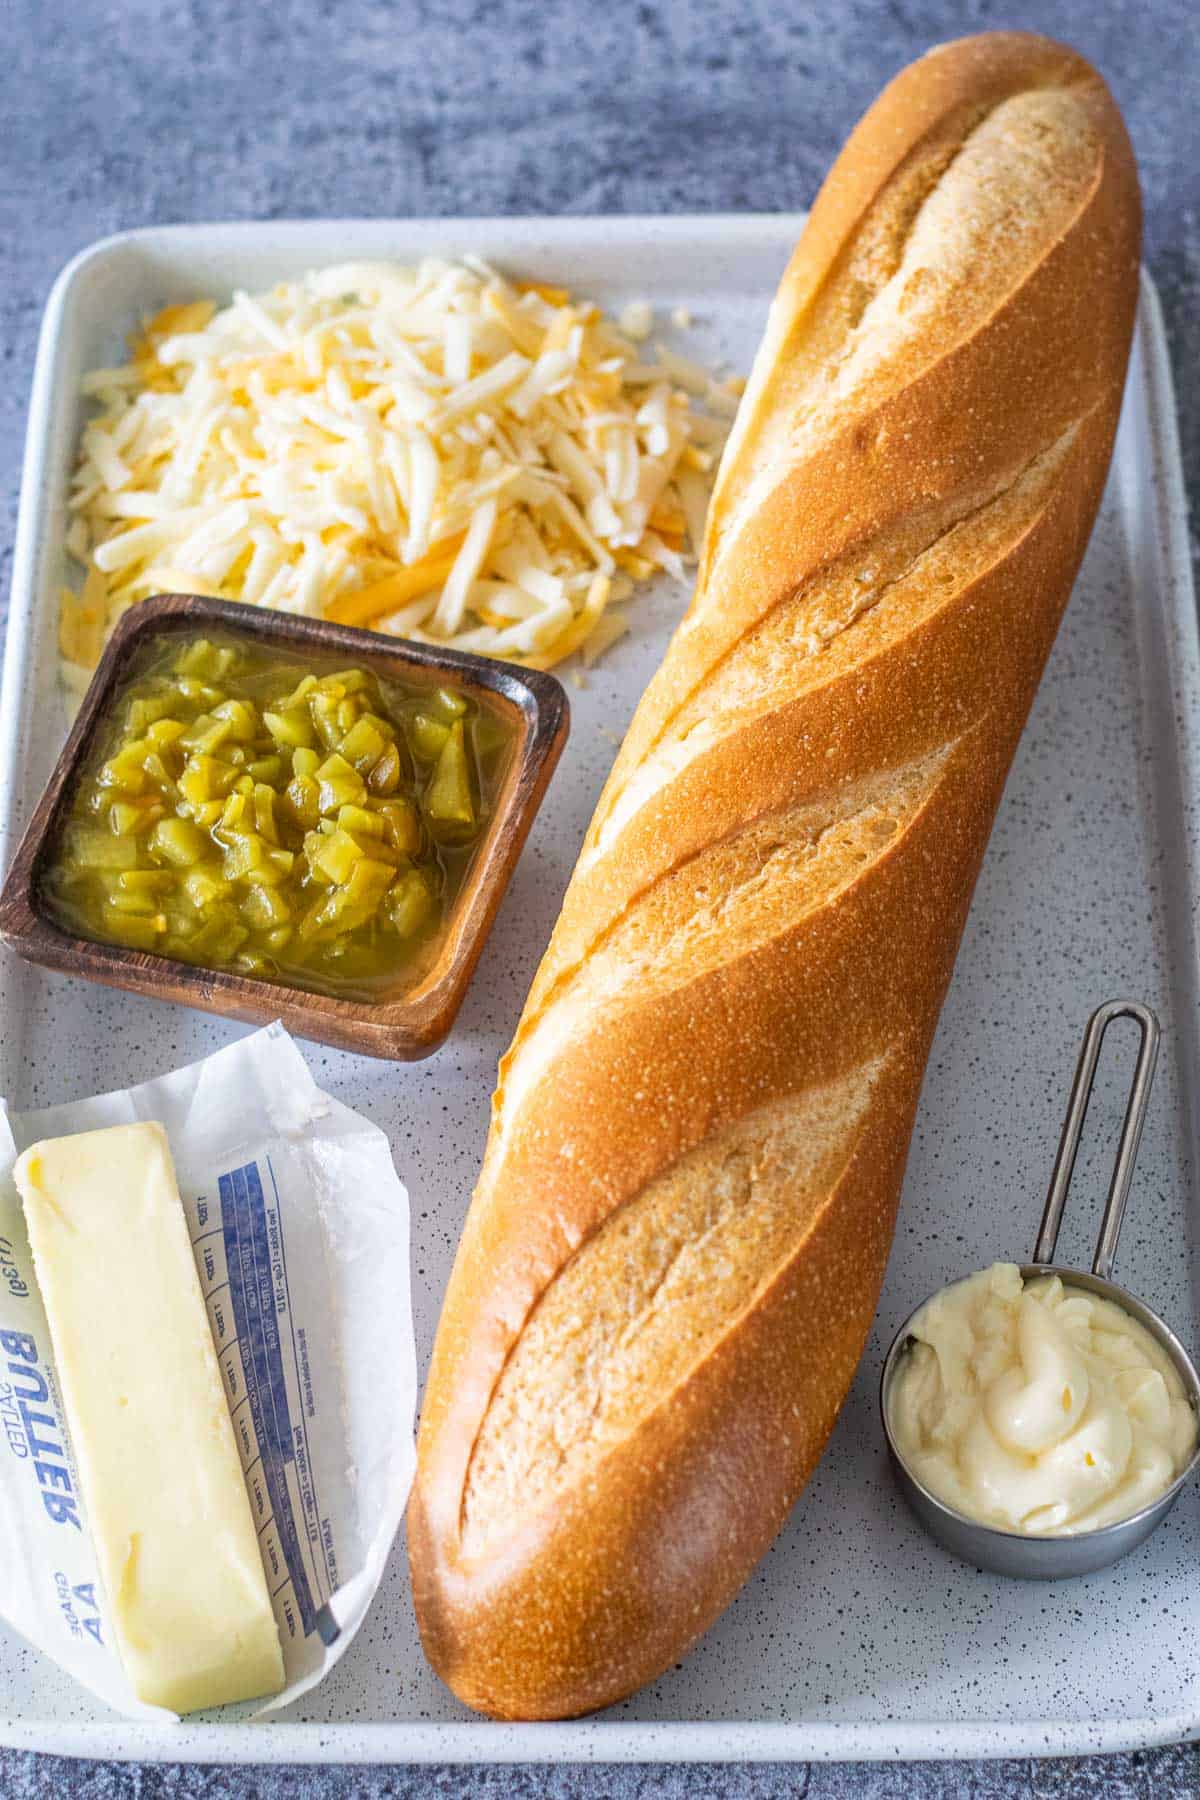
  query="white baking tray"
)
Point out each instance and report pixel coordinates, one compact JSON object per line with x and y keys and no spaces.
{"x":855,"y":1637}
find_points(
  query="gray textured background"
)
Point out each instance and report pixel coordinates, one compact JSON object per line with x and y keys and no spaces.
{"x":153,"y":111}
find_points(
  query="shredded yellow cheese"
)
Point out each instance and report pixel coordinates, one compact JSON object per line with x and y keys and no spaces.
{"x":434,"y":452}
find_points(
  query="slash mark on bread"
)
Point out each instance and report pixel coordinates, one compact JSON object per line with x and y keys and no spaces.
{"x":955,"y":231}
{"x":815,"y":632}
{"x":643,"y":1300}
{"x":723,"y":904}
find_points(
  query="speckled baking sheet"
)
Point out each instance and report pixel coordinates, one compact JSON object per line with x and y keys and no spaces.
{"x":855,"y":1637}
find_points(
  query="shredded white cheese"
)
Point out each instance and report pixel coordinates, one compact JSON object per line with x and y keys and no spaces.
{"x":434,"y":452}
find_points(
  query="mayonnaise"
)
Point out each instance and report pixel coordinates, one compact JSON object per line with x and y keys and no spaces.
{"x":1041,"y":1409}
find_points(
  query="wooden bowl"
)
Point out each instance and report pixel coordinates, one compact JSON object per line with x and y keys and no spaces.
{"x":410,"y":1018}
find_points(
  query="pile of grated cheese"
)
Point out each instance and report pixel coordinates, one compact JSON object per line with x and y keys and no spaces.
{"x":434,"y":452}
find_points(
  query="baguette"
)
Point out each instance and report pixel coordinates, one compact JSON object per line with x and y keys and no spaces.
{"x":698,"y":1140}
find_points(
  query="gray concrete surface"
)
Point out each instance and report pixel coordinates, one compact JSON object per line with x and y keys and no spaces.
{"x":116,"y":113}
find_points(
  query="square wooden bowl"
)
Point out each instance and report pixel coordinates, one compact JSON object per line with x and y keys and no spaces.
{"x":411,"y":1017}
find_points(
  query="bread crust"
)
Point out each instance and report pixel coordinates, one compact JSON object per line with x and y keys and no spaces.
{"x":763,"y":923}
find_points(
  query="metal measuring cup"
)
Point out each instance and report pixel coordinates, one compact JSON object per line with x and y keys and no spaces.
{"x":1049,"y":1558}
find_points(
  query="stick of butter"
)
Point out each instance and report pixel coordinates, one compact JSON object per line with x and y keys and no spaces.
{"x":159,"y":1470}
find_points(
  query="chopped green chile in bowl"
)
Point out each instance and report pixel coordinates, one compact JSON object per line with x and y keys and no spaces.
{"x":279,"y":814}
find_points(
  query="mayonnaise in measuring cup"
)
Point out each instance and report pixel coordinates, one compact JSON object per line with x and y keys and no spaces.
{"x":1038,"y":1408}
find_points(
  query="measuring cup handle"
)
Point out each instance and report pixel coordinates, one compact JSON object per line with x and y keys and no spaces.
{"x":1127,"y":1147}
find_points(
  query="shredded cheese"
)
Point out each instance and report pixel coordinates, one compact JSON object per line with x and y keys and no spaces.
{"x":434,"y":452}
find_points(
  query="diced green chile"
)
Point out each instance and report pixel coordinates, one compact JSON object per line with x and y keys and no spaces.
{"x":294,"y":819}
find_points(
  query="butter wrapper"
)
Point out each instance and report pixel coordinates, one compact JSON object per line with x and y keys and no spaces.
{"x":299,"y":1226}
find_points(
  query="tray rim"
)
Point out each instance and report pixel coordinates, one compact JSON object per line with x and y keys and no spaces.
{"x":1170,"y":588}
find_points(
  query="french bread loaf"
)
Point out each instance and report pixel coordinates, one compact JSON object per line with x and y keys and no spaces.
{"x":676,"y":1246}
